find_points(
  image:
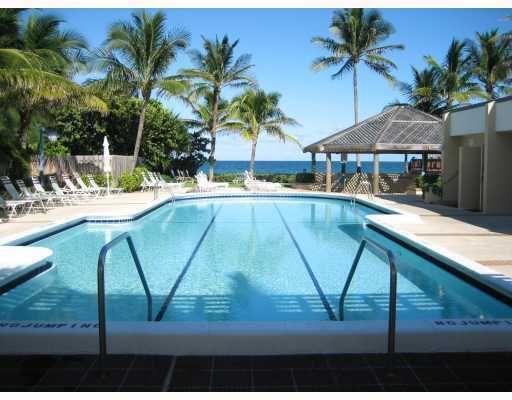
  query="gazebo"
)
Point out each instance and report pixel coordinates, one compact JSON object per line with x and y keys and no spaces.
{"x":400,"y":129}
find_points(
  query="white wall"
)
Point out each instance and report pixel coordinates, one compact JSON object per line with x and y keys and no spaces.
{"x":467,"y":122}
{"x":504,"y":116}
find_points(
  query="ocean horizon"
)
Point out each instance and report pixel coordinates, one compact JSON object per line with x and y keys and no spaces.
{"x":294,"y":167}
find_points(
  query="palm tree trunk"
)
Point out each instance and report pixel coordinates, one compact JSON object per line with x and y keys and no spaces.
{"x":215,"y":110}
{"x":253,"y":156}
{"x":25,"y":119}
{"x":356,"y":111}
{"x":140,"y":130}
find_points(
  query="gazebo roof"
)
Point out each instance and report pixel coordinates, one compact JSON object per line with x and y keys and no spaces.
{"x":397,"y":129}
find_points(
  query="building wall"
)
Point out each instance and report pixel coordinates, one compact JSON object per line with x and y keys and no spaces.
{"x":464,"y":138}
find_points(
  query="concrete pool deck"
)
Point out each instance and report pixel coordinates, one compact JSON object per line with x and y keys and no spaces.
{"x":486,"y":239}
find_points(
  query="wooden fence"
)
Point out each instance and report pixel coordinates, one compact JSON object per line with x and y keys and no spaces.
{"x":82,"y":164}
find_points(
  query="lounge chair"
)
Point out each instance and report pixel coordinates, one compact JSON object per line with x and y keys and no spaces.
{"x":204,"y":185}
{"x":71,"y":188}
{"x":27,"y":194}
{"x":104,"y":189}
{"x":15,"y":195}
{"x":63,"y":192}
{"x":87,"y":189}
{"x":255,"y":185}
{"x":11,"y":206}
{"x":40,"y":189}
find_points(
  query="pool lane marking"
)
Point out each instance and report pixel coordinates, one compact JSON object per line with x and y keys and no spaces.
{"x":174,"y":288}
{"x":325,"y":302}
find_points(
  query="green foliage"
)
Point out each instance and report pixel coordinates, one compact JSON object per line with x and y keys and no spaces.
{"x":131,"y":181}
{"x":100,"y":179}
{"x":166,"y":140}
{"x":280,"y":178}
{"x":55,"y":149}
{"x":430,"y":182}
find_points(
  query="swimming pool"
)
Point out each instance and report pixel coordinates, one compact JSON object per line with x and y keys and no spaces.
{"x":242,"y":259}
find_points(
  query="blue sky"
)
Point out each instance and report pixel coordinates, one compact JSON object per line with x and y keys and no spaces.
{"x":279,"y":41}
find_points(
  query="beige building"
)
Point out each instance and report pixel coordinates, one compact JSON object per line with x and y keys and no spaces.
{"x":477,"y":157}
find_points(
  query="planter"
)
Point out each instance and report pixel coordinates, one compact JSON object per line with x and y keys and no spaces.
{"x":429,"y":197}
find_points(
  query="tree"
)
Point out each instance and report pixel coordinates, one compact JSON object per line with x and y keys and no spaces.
{"x":258,"y":112}
{"x":166,"y":135}
{"x":136,"y":57}
{"x":425,"y":93}
{"x":491,"y":58}
{"x":455,"y":77}
{"x":214,"y":70}
{"x":35,"y":72}
{"x":358,"y":37}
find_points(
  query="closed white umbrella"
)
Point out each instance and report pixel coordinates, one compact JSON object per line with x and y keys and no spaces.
{"x":107,"y":167}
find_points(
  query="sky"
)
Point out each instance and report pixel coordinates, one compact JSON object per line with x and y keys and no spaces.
{"x":280,"y":43}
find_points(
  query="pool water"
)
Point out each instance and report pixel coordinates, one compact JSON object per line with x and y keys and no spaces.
{"x":241,"y":259}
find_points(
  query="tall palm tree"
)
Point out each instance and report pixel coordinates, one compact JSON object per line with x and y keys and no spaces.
{"x":357,"y":37}
{"x":491,"y":57}
{"x":424,"y":93}
{"x":136,"y":57}
{"x":35,"y":74}
{"x":258,"y":112}
{"x":455,"y":74}
{"x":213,"y":71}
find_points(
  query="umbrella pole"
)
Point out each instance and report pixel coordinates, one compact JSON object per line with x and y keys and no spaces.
{"x":108,"y":185}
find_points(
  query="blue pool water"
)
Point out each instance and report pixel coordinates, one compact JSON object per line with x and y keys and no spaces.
{"x":241,"y":259}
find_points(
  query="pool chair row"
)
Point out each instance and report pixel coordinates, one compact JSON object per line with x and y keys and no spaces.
{"x":152,"y":180}
{"x":23,"y":199}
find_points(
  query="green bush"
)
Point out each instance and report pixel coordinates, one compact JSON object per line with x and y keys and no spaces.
{"x":131,"y":181}
{"x":100,"y":179}
{"x":430,"y":182}
{"x":56,"y":148}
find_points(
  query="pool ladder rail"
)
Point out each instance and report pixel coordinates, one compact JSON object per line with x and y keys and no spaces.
{"x":392,"y":291}
{"x":101,"y":288}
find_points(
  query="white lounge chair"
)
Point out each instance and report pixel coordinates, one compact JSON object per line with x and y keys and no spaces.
{"x":11,"y":206}
{"x":40,"y":189}
{"x":103,"y":189}
{"x":84,"y":187}
{"x":64,"y":192}
{"x":204,"y":185}
{"x":15,"y":195}
{"x":27,"y":194}
{"x":71,"y":188}
{"x":255,"y":185}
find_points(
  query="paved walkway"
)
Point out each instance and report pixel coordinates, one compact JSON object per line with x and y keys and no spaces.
{"x":486,"y":239}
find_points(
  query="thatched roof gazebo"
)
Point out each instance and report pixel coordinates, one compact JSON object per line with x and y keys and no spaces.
{"x":399,"y":129}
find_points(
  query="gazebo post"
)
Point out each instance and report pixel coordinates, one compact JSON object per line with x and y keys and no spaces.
{"x":424,"y":162}
{"x":376,"y":179}
{"x":406,"y":164}
{"x":328,"y":172}
{"x":313,"y":163}
{"x":343,"y":163}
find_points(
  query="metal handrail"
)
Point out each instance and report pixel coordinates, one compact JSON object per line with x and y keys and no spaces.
{"x":101,"y":287}
{"x":392,"y":290}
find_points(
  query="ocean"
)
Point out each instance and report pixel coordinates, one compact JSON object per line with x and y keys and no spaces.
{"x":293,"y":167}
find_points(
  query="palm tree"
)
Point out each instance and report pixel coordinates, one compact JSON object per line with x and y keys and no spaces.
{"x":35,"y":75}
{"x":455,"y":75}
{"x":491,"y":57}
{"x":136,"y":57}
{"x":214,"y":70}
{"x":358,"y":37}
{"x":258,"y":112}
{"x":202,"y":120}
{"x":425,"y":93}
